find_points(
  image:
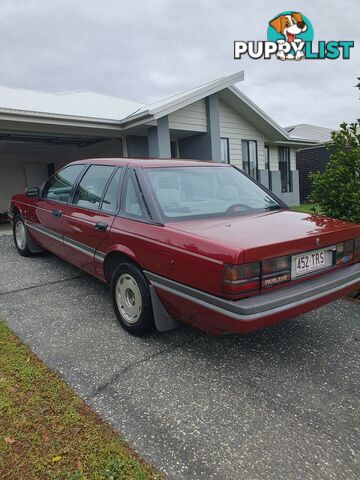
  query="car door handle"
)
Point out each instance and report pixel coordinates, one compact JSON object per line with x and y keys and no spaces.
{"x":56,"y":213}
{"x":102,"y":226}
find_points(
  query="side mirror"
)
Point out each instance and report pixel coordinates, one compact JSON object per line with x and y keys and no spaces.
{"x":32,"y":192}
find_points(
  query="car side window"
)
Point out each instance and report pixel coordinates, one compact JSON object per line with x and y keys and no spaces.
{"x":133,"y":205}
{"x":110,"y":201}
{"x":60,"y":185}
{"x":91,"y":187}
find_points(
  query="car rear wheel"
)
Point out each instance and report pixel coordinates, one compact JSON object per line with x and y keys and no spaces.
{"x":20,"y":236}
{"x":132,"y":300}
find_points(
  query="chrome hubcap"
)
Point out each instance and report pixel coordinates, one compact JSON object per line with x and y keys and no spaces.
{"x":20,"y":235}
{"x":128,"y":298}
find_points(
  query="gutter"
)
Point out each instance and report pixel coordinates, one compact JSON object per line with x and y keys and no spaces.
{"x":60,"y":116}
{"x":294,"y":142}
{"x":15,"y":115}
{"x":136,"y":119}
{"x":319,"y":145}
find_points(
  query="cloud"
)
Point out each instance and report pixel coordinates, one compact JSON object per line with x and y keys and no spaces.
{"x":146,"y":50}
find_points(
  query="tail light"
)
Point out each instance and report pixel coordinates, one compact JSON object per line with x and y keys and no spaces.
{"x":357,"y":250}
{"x":275,"y":271}
{"x":344,"y":252}
{"x":247,"y":278}
{"x":241,"y":278}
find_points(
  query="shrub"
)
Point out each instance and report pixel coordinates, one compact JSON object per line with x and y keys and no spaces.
{"x":337,"y":189}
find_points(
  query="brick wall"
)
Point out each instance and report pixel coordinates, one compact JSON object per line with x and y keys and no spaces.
{"x":310,"y":160}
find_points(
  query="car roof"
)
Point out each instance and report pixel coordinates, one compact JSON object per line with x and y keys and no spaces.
{"x":150,"y":162}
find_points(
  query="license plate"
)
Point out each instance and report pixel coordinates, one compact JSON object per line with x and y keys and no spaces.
{"x":310,"y":262}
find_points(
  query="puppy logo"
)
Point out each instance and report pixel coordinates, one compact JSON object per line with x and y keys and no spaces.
{"x":290,"y":28}
{"x":290,"y":36}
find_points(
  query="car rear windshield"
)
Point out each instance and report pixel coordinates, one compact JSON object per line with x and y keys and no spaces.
{"x":196,"y":192}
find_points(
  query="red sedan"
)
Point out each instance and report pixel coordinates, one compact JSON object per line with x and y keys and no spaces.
{"x":189,"y":241}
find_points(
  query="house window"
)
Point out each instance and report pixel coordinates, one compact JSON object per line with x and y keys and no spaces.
{"x":174,"y":148}
{"x":285,"y":171}
{"x":267,"y":164}
{"x":225,"y":151}
{"x":267,"y":157}
{"x":51,"y":169}
{"x":249,"y":157}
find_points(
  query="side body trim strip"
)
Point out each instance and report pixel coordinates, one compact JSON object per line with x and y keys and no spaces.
{"x":68,"y":241}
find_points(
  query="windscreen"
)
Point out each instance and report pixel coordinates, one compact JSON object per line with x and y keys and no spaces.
{"x":195,"y":192}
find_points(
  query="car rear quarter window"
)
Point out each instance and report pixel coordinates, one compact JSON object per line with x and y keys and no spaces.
{"x":90,"y":190}
{"x":133,"y":204}
{"x":60,"y":185}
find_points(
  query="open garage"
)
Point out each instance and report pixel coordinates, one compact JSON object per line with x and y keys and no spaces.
{"x":40,"y":132}
{"x":29,"y":159}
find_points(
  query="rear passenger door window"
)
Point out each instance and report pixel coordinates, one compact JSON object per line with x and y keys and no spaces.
{"x":91,"y":187}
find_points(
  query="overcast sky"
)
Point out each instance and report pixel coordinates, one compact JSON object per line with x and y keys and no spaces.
{"x":145,"y":50}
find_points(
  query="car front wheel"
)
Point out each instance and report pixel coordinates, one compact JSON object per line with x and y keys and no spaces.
{"x":20,"y":236}
{"x":132,"y":300}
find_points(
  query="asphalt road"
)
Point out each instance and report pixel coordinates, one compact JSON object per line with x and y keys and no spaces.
{"x":282,"y":403}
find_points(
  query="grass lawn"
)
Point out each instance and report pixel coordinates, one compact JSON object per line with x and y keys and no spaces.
{"x":47,"y":432}
{"x":306,"y":208}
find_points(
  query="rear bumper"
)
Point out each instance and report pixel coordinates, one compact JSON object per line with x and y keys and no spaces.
{"x":220,"y":315}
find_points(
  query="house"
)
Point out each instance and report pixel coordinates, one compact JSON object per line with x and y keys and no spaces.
{"x":311,"y":158}
{"x":40,"y":132}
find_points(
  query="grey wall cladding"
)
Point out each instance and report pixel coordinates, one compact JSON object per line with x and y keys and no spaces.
{"x":137,"y":146}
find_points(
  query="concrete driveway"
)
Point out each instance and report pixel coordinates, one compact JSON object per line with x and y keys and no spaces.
{"x":279,"y":404}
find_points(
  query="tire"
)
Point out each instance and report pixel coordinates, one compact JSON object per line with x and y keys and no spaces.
{"x":131,"y":299}
{"x":20,"y":236}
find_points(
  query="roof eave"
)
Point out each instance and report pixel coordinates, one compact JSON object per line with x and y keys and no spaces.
{"x":177,"y":104}
{"x":136,"y":120}
{"x":318,"y":145}
{"x":205,"y":91}
{"x":17,"y":114}
{"x":296,"y":141}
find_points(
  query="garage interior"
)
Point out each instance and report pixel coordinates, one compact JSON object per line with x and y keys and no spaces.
{"x":28,"y":158}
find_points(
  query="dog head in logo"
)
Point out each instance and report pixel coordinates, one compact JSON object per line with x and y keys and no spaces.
{"x":289,"y":26}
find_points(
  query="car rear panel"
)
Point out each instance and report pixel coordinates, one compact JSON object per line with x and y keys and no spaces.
{"x":277,"y":234}
{"x":273,"y":234}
